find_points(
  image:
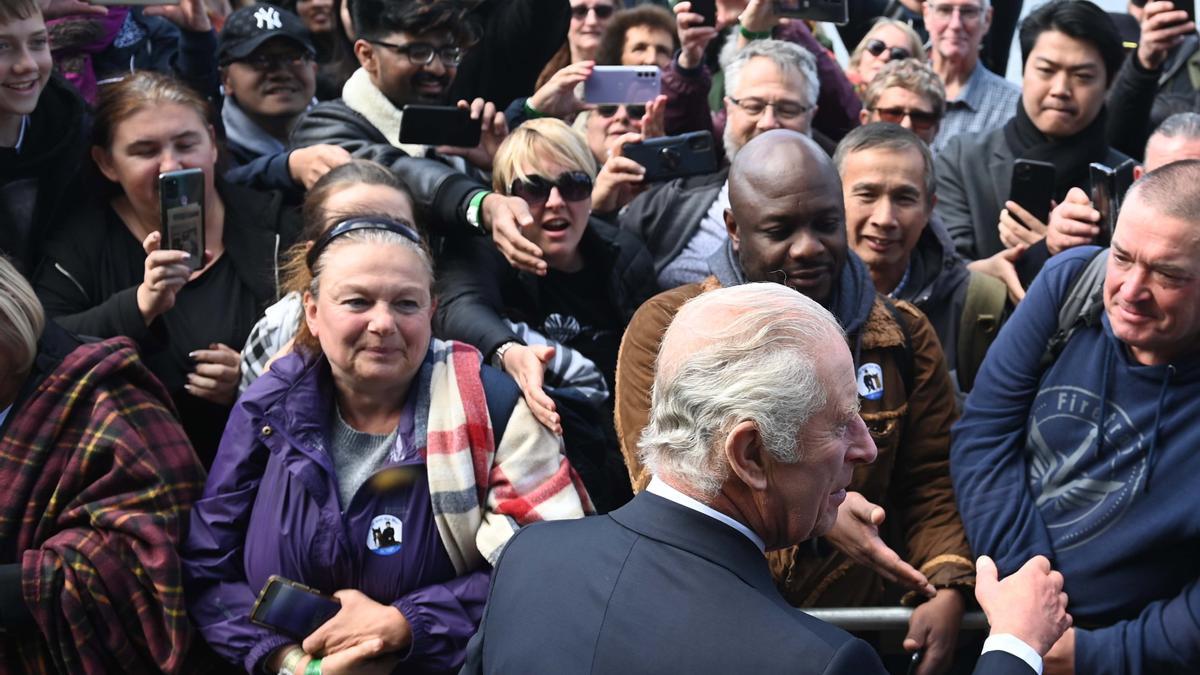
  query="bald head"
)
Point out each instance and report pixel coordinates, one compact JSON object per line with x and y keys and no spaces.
{"x":773,"y":163}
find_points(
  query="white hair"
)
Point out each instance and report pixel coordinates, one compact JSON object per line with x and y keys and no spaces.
{"x":745,"y":353}
{"x":789,"y":57}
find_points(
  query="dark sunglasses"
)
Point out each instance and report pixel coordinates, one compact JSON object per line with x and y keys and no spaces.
{"x":602,"y":11}
{"x":921,"y":120}
{"x":572,"y":185}
{"x":877,"y":47}
{"x":635,"y":112}
{"x":400,"y":227}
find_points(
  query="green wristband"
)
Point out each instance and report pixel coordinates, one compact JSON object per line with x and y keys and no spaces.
{"x":313,"y":667}
{"x":531,"y":112}
{"x":752,"y":35}
{"x":474,"y":217}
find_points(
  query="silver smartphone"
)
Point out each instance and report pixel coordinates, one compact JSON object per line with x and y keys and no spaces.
{"x":181,"y":204}
{"x":622,"y":84}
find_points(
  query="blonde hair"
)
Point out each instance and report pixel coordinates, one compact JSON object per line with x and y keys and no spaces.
{"x":536,"y":143}
{"x":21,"y":318}
{"x":915,"y":46}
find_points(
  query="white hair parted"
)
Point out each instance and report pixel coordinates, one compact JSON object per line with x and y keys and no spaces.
{"x":744,"y":353}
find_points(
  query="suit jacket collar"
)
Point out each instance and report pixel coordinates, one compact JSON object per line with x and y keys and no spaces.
{"x":665,"y":521}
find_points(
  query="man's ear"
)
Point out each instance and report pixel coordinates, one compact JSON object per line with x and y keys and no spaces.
{"x":748,"y":459}
{"x":731,"y":228}
{"x":1138,"y":172}
{"x":864,"y":117}
{"x":367,"y":58}
{"x":103,"y":162}
{"x":987,"y":20}
{"x":225,"y":81}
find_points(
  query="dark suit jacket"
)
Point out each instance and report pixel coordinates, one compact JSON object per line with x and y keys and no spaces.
{"x":654,"y":587}
{"x":974,"y":175}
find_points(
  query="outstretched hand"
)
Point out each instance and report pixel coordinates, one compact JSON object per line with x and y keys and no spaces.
{"x":856,"y":533}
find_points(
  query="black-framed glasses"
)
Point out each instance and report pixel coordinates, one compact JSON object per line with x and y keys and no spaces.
{"x":967,"y":13}
{"x":602,"y":11}
{"x":572,"y":185}
{"x":265,"y":63}
{"x":784,"y":110}
{"x":400,"y":227}
{"x":921,"y":119}
{"x":422,"y":53}
{"x":635,"y":112}
{"x":877,"y":47}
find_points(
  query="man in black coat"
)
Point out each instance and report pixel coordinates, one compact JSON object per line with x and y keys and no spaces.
{"x":754,"y":435}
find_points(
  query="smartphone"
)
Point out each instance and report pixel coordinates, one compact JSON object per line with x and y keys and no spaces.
{"x":832,"y":11}
{"x":181,"y":209}
{"x":706,"y":9}
{"x":439,"y":125}
{"x":674,"y":156}
{"x":622,"y":84}
{"x":1125,"y":178}
{"x":1188,"y":6}
{"x":1105,"y":199}
{"x":1033,"y":187}
{"x":292,"y":609}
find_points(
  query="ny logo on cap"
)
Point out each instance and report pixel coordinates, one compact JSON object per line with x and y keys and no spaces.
{"x":268,"y":19}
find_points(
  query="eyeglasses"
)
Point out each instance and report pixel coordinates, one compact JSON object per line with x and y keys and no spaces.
{"x":921,"y":120}
{"x":581,"y":11}
{"x":966,"y":13}
{"x":265,"y":63}
{"x":400,"y":227}
{"x":635,"y":112}
{"x":572,"y":185}
{"x":422,"y":53}
{"x":878,"y":47}
{"x":784,"y":110}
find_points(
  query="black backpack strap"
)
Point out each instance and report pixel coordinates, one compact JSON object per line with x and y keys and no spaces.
{"x":502,"y":394}
{"x":905,"y":363}
{"x":1081,"y":306}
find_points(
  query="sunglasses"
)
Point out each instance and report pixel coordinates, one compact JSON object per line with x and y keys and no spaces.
{"x":602,"y":11}
{"x":921,"y":120}
{"x":572,"y":185}
{"x":878,"y":47}
{"x":399,"y":227}
{"x":635,"y":112}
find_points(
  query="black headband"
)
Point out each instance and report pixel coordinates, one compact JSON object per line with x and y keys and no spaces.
{"x":362,"y":223}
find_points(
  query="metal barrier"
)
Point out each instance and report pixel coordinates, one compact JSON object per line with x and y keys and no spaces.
{"x":884,"y":618}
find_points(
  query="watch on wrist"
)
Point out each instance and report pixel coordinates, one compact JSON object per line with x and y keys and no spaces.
{"x":498,"y":355}
{"x":291,"y":659}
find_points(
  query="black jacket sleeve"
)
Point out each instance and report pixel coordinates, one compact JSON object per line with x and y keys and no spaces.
{"x":470,"y":296}
{"x":1129,"y":102}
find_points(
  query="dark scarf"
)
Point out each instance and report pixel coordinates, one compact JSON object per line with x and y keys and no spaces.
{"x":1070,"y":156}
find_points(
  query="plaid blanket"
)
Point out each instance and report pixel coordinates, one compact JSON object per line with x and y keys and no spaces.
{"x":519,"y":481}
{"x":98,"y":479}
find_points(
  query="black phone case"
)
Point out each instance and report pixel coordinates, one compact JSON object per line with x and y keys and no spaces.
{"x":321,"y":607}
{"x":706,"y":9}
{"x":1033,"y":187}
{"x":674,"y":156}
{"x":832,"y":11}
{"x":1105,"y":199}
{"x":439,"y":125}
{"x":181,"y":213}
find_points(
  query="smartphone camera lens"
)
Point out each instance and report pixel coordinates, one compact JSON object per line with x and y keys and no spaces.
{"x":699,"y":143}
{"x":670,"y":158}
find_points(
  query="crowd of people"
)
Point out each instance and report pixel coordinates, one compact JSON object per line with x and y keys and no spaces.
{"x":852,"y":366}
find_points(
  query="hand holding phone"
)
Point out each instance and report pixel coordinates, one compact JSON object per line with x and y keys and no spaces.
{"x":1033,"y":187}
{"x":1104,"y":199}
{"x":440,"y":125}
{"x":1158,"y":39}
{"x":832,"y":11}
{"x":671,"y":157}
{"x":622,"y":84}
{"x":181,"y":210}
{"x":291,"y":608}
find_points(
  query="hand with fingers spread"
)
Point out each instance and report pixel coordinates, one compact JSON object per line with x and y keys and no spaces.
{"x":360,"y":620}
{"x":308,"y":165}
{"x":189,"y":15}
{"x":1163,"y":28}
{"x":1003,"y":266}
{"x":216,"y":375}
{"x":506,"y":217}
{"x":493,"y":131}
{"x":1029,"y":603}
{"x":166,"y":272}
{"x":557,"y":98}
{"x":1072,"y":223}
{"x":694,"y":36}
{"x":56,"y":9}
{"x":1019,"y":226}
{"x":933,"y":628}
{"x":856,"y":533}
{"x":527,"y":365}
{"x":618,"y":178}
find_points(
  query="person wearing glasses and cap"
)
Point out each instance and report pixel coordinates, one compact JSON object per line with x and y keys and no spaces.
{"x":374,"y":463}
{"x":269,"y":77}
{"x":562,"y":330}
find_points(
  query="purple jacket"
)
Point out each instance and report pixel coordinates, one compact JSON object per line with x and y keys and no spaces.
{"x":271,"y":506}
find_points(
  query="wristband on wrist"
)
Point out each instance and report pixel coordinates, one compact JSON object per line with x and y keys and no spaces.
{"x":754,"y":35}
{"x":313,"y":667}
{"x":475,"y":209}
{"x":291,"y":659}
{"x":532,"y":112}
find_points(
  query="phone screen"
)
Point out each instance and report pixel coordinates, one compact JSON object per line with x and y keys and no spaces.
{"x":292,"y":609}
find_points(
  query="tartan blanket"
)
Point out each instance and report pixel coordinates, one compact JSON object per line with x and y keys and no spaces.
{"x":526,"y":478}
{"x":98,"y":480}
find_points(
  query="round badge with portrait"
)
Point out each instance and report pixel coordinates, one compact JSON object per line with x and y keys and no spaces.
{"x":385,"y":535}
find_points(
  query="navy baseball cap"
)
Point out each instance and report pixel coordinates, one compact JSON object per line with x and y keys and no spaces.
{"x":247,"y":28}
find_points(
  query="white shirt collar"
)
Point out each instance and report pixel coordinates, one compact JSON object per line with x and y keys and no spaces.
{"x":660,"y":488}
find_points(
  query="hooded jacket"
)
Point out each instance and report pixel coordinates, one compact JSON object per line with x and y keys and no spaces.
{"x":910,"y":477}
{"x":1091,"y":462}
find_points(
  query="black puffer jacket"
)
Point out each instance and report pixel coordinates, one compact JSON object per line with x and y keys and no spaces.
{"x":666,"y":217}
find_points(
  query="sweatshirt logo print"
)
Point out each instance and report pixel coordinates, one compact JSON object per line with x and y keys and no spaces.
{"x":1081,"y":487}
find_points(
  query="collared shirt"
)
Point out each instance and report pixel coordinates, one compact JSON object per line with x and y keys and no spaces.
{"x":986,"y":102}
{"x":660,"y":488}
{"x":1007,"y":642}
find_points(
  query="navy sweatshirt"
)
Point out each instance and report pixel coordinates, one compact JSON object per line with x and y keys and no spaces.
{"x":1096,"y":465}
